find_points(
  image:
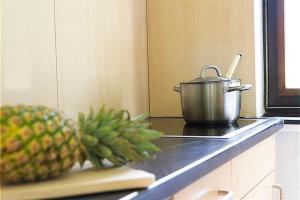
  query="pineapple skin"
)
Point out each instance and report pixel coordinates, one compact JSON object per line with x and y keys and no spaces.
{"x":36,"y":143}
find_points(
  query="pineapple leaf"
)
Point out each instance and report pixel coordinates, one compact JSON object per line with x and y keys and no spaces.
{"x":112,"y":136}
{"x":81,"y":119}
{"x":95,"y":161}
{"x":150,"y":134}
{"x":105,"y":151}
{"x":89,"y":140}
{"x":141,"y":117}
{"x":91,"y":114}
{"x":146,"y":146}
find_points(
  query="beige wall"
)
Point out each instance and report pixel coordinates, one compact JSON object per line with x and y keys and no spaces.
{"x":184,"y":35}
{"x":73,"y":54}
{"x":102,"y":54}
{"x":28,"y":52}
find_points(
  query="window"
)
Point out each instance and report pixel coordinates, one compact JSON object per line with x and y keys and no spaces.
{"x":282,"y":57}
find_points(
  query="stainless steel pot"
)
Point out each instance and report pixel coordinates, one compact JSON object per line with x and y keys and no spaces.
{"x":211,"y":100}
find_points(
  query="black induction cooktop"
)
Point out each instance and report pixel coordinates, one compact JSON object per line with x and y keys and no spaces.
{"x":177,"y":127}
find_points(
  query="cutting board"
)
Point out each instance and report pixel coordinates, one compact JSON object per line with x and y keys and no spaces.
{"x":80,"y":181}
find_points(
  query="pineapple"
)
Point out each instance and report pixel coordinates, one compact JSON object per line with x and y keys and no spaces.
{"x":39,"y":143}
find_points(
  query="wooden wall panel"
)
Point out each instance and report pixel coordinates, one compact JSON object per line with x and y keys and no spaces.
{"x":102,"y":54}
{"x":28,"y":52}
{"x":184,"y":35}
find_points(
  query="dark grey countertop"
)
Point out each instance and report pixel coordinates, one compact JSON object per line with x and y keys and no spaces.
{"x":182,"y":161}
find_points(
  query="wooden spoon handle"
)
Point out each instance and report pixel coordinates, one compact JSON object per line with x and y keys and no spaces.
{"x":233,"y":65}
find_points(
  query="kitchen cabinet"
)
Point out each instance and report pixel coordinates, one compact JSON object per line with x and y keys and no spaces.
{"x":217,"y":179}
{"x":264,"y":189}
{"x":28,"y":72}
{"x":250,"y":167}
{"x":250,"y":174}
{"x":288,"y":160}
{"x":102,"y":55}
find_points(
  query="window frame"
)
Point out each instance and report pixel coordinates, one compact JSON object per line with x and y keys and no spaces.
{"x":279,"y":100}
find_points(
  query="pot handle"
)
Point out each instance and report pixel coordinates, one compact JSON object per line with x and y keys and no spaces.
{"x":177,"y":88}
{"x":238,"y":88}
{"x":206,"y":67}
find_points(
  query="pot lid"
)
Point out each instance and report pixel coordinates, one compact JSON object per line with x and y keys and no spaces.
{"x":205,"y":79}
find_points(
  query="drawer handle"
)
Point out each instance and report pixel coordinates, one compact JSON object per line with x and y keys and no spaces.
{"x":225,"y":195}
{"x":279,"y":187}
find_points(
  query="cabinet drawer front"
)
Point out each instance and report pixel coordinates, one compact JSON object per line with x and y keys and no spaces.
{"x":219,"y":179}
{"x":250,"y":167}
{"x":264,"y":190}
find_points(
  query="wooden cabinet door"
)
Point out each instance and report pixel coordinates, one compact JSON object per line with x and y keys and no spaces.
{"x":28,"y":74}
{"x":263,"y":191}
{"x":251,"y":166}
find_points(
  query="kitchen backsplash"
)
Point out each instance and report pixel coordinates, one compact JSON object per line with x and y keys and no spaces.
{"x":185,"y":35}
{"x":82,"y":53}
{"x":75,"y":54}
